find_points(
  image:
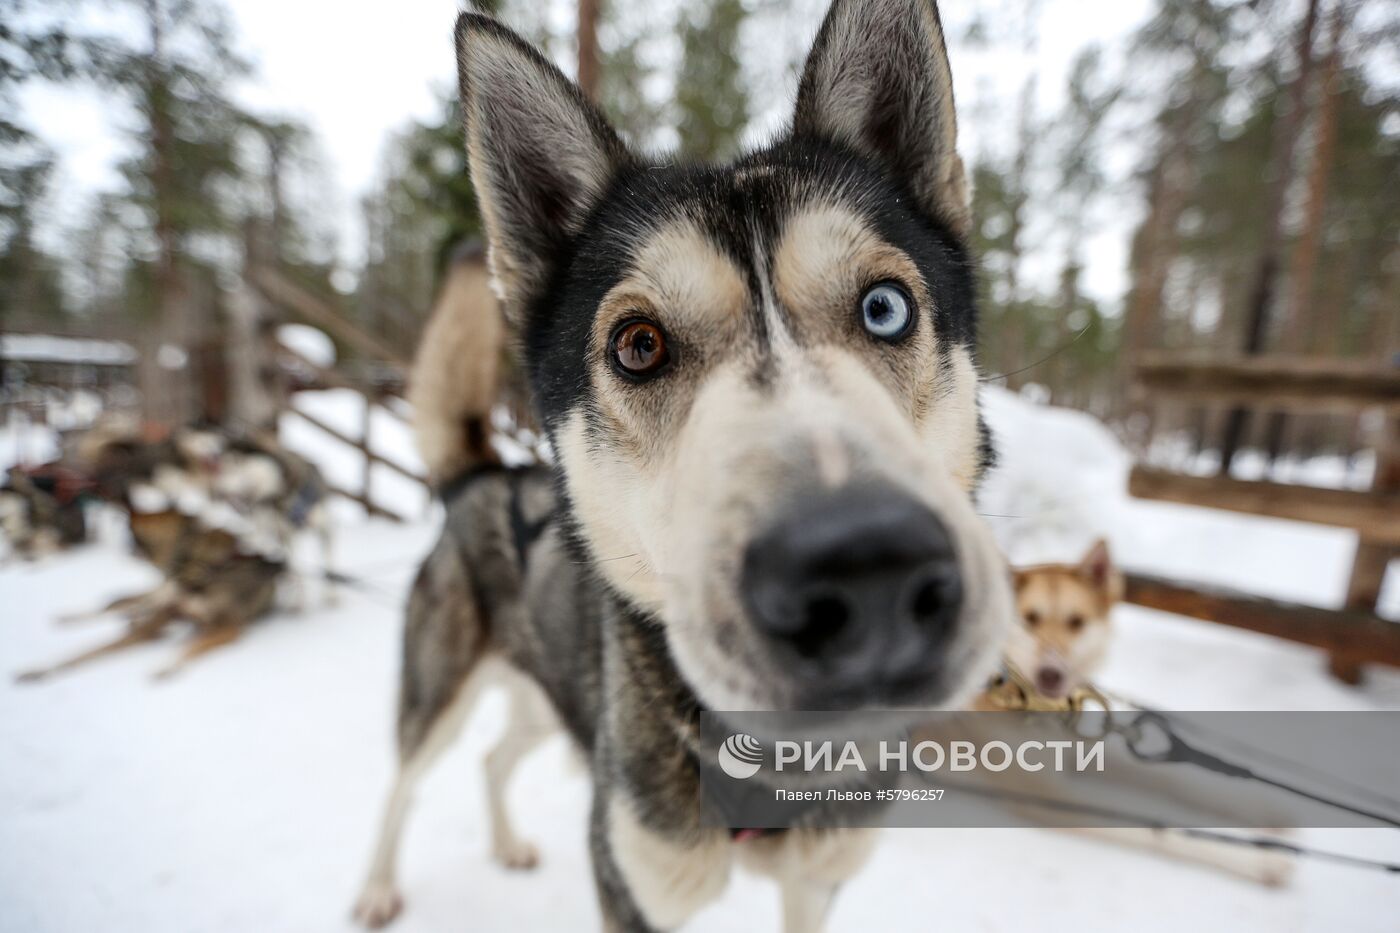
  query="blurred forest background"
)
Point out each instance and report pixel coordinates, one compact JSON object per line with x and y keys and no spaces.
{"x":1246,"y":153}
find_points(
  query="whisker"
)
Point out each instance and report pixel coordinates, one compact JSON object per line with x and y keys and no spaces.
{"x":603,"y":560}
{"x":1053,"y":353}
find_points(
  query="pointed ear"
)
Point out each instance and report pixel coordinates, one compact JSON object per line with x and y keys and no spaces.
{"x":878,"y":80}
{"x":540,"y":154}
{"x":1097,"y":568}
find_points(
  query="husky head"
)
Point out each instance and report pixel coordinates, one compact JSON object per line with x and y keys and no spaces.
{"x":758,"y":377}
{"x":1066,"y":627}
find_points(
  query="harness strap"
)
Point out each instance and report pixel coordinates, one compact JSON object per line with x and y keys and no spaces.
{"x":523,"y":531}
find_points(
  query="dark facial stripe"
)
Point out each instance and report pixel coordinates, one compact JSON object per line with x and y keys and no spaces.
{"x":741,"y":208}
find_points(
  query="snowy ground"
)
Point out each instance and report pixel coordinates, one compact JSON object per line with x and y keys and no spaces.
{"x":243,"y":795}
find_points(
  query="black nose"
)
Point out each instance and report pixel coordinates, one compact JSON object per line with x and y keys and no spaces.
{"x":862,"y":585}
{"x":1049,"y":680}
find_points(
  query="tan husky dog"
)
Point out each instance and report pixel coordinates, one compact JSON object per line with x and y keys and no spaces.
{"x":1065,"y":611}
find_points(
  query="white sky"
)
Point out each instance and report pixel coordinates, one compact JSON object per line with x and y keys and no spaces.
{"x":355,"y":71}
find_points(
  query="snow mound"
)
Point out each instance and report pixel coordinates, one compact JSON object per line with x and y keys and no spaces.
{"x":1060,"y":480}
{"x":309,"y":342}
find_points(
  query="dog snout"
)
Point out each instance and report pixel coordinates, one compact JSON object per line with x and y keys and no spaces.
{"x":1050,"y":681}
{"x":862,"y":586}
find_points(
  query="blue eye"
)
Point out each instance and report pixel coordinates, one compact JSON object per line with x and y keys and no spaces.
{"x":887,"y":312}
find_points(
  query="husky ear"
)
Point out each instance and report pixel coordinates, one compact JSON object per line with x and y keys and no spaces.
{"x":540,"y":154}
{"x":1098,"y":569}
{"x":878,"y":80}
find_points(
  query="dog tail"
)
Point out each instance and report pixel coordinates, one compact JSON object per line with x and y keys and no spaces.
{"x":457,"y":371}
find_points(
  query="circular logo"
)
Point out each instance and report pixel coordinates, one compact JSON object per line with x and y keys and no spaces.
{"x":740,"y":756}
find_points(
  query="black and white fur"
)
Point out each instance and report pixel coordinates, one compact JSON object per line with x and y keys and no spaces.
{"x":631,"y":586}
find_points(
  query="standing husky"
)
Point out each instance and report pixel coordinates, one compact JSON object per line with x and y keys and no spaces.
{"x":757,"y":380}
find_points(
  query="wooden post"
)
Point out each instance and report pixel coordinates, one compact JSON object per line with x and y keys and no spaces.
{"x":1372,"y":555}
{"x":367,"y":487}
{"x":588,"y":13}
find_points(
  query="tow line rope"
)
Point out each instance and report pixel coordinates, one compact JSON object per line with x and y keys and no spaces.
{"x":1011,"y":691}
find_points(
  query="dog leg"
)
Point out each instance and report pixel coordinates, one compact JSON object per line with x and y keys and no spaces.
{"x":617,"y":906}
{"x":135,"y":635}
{"x":1261,"y":866}
{"x":649,"y":878}
{"x":296,"y":591}
{"x":529,"y":723}
{"x":321,"y":521}
{"x":380,"y":901}
{"x":810,"y":866}
{"x":205,"y":642}
{"x":136,"y":604}
{"x":92,"y":615}
{"x":805,"y":903}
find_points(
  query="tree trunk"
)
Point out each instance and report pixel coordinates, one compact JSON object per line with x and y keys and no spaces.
{"x":1300,"y":323}
{"x":164,"y":383}
{"x":1262,"y":294}
{"x":254,"y":401}
{"x":1014,"y":344}
{"x":1155,"y":246}
{"x":588,"y":14}
{"x":1060,"y":370}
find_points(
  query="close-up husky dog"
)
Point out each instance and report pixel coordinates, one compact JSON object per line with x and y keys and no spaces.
{"x":757,"y":380}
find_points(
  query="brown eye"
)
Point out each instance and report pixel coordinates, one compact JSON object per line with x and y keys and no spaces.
{"x":1032,"y":618}
{"x":639,"y":349}
{"x":1076,"y":623}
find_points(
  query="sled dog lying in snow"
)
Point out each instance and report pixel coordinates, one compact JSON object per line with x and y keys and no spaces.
{"x":247,"y":484}
{"x":758,"y":383}
{"x":1063,"y":638}
{"x":217,"y":515}
{"x":210,"y":582}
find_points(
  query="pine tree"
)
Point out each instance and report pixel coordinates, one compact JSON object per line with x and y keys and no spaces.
{"x":30,"y":280}
{"x":1186,"y":39}
{"x":711,"y":97}
{"x":176,"y":77}
{"x":1080,"y":181}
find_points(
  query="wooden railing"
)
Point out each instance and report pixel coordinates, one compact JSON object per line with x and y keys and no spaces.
{"x":1375,"y":514}
{"x":1342,"y":632}
{"x":1296,"y":384}
{"x":283,"y":292}
{"x":1353,"y":635}
{"x":301,"y":304}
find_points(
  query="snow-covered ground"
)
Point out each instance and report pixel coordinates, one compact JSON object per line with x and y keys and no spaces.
{"x":243,"y":795}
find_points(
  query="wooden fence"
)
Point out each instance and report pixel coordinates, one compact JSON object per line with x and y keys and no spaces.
{"x":1353,"y":635}
{"x":299,"y":304}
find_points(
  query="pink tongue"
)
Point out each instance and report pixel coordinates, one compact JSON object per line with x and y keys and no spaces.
{"x":742,"y":835}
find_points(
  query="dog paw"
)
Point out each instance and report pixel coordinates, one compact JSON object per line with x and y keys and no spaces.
{"x":378,"y":905}
{"x":1274,"y":869}
{"x":517,"y":855}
